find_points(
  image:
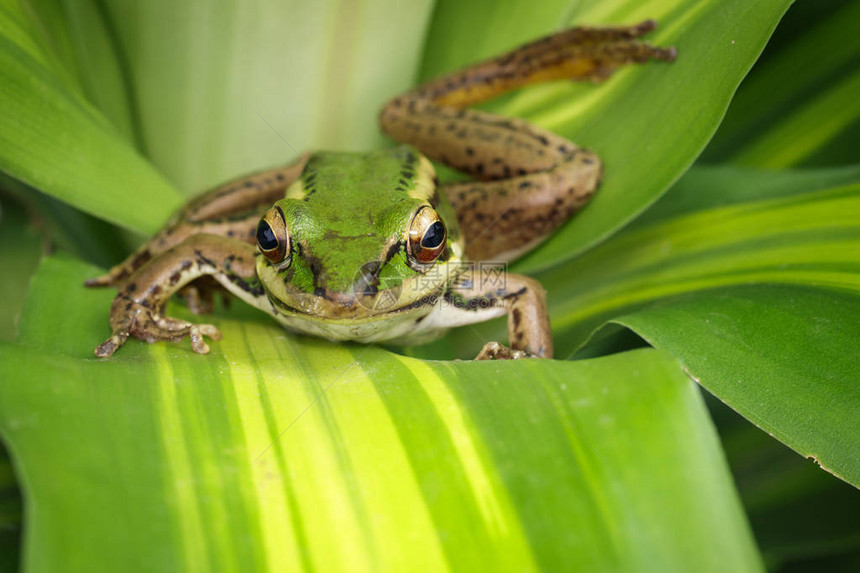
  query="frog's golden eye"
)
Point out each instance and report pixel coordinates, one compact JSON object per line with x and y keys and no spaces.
{"x":426,"y":236}
{"x":273,"y":240}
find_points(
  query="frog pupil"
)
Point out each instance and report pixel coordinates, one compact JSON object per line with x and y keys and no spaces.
{"x":266,"y":237}
{"x":434,"y":236}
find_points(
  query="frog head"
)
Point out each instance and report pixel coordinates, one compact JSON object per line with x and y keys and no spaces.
{"x":358,"y":234}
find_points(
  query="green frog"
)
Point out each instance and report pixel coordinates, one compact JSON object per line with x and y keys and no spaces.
{"x":369,"y":246}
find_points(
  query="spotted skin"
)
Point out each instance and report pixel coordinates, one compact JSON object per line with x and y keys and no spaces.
{"x":343,"y":210}
{"x":138,"y":308}
{"x":483,"y":293}
{"x":530,"y":179}
{"x":230,"y":210}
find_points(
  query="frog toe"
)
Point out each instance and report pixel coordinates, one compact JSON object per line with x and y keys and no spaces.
{"x":100,"y":281}
{"x":196,"y":332}
{"x":109,"y":346}
{"x":135,"y":319}
{"x":496,"y":351}
{"x":166,"y":328}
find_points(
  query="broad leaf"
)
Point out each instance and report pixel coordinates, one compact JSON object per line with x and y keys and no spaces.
{"x":799,"y":104}
{"x":227,"y":91}
{"x":784,"y":357}
{"x":805,"y":238}
{"x":798,"y":512}
{"x":290,"y":453}
{"x":53,"y":139}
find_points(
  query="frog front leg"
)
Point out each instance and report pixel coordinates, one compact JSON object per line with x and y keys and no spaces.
{"x":484,"y":292}
{"x":530,"y":180}
{"x":138,"y":308}
{"x":229,"y":210}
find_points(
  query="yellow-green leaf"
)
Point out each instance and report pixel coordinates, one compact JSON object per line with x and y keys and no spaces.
{"x":279,"y":452}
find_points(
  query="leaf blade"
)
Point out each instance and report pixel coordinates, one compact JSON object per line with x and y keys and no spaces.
{"x":742,"y":344}
{"x":52,"y":139}
{"x":290,"y":435}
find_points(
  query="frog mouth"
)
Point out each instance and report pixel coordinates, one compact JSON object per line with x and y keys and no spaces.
{"x":335,"y":306}
{"x":368,"y":296}
{"x":366,"y":301}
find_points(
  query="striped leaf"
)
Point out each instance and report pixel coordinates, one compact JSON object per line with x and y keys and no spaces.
{"x":287,"y":453}
{"x":799,"y":105}
{"x":795,"y":238}
{"x":728,"y":227}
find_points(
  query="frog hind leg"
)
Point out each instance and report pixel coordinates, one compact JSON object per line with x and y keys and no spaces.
{"x":530,"y":180}
{"x":503,"y":219}
{"x":229,"y":210}
{"x":138,"y":308}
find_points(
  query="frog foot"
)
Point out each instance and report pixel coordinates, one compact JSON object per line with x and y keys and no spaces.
{"x":129,"y":318}
{"x":496,"y":351}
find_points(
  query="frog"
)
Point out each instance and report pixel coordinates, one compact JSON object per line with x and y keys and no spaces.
{"x":371,"y":247}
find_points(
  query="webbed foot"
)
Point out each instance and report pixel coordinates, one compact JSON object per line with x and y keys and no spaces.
{"x":129,"y":318}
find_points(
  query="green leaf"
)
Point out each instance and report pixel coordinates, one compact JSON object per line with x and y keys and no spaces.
{"x":807,"y":238}
{"x":795,"y":228}
{"x":53,"y":139}
{"x":797,"y":511}
{"x":82,"y":36}
{"x":799,"y":104}
{"x":784,"y":357}
{"x":20,"y":251}
{"x":255,"y":456}
{"x":648,"y":124}
{"x":219,"y":93}
{"x":10,"y":515}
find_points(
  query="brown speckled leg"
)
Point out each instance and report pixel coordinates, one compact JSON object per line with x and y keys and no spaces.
{"x":503,"y":219}
{"x":531,"y":180}
{"x":481,"y":292}
{"x":137,"y":310}
{"x":230,"y":210}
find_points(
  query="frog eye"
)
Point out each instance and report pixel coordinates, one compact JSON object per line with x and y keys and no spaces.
{"x":426,"y":237}
{"x":273,"y":240}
